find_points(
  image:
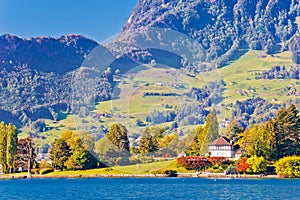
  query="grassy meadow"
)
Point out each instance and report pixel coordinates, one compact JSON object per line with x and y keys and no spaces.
{"x":130,"y":103}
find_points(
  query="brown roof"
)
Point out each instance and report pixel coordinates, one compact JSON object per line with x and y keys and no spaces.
{"x":220,"y":141}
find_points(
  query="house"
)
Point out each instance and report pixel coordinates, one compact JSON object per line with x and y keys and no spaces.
{"x":222,"y":147}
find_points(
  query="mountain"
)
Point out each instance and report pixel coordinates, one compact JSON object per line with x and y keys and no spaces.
{"x":224,"y":27}
{"x":36,"y":76}
{"x":45,"y":54}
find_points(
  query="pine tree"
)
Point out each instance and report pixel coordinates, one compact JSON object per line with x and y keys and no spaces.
{"x":211,"y":130}
{"x":286,"y":132}
{"x":279,"y":133}
{"x":233,"y":130}
{"x":213,"y":126}
{"x":292,"y":140}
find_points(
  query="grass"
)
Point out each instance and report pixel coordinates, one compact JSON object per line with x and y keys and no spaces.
{"x":242,"y":71}
{"x":132,"y":169}
{"x":132,"y":105}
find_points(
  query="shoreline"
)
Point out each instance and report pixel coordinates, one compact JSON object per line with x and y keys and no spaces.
{"x":179,"y":175}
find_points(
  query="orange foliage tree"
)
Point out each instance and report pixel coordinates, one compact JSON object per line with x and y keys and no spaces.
{"x":242,"y":165}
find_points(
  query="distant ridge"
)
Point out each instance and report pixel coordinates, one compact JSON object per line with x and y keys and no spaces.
{"x":45,"y":54}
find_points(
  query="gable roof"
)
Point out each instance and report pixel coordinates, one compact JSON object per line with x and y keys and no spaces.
{"x":221,"y":141}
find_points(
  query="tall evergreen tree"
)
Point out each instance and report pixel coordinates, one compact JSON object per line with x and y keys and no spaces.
{"x":211,"y":130}
{"x":292,"y":140}
{"x":279,"y":133}
{"x":213,"y":126}
{"x":286,"y":132}
{"x":233,"y":130}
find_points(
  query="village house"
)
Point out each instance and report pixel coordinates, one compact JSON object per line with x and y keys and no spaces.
{"x":223,"y":147}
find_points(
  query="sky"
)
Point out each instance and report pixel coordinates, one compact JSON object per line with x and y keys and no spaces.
{"x":95,"y":19}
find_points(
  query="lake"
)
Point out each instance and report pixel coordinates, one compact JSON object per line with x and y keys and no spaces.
{"x":150,"y":188}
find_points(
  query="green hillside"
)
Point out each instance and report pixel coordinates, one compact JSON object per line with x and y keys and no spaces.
{"x":131,"y":104}
{"x":242,"y":71}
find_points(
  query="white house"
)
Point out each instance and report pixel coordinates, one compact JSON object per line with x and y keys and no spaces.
{"x":222,"y":147}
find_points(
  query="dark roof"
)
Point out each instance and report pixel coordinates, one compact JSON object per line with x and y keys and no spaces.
{"x":221,"y":141}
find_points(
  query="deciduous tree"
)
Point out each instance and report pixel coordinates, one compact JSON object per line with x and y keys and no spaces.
{"x":8,"y":146}
{"x":118,"y":136}
{"x":25,"y":156}
{"x":59,"y":153}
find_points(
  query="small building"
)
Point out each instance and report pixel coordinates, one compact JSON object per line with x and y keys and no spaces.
{"x":182,"y":154}
{"x":238,"y":154}
{"x":222,"y":147}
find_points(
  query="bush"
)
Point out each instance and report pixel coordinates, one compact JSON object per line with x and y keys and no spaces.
{"x":46,"y":171}
{"x":271,"y":170}
{"x":122,"y":161}
{"x":168,"y":172}
{"x":288,"y":167}
{"x":134,"y":160}
{"x":44,"y":164}
{"x":107,"y":169}
{"x":35,"y":171}
{"x":256,"y":165}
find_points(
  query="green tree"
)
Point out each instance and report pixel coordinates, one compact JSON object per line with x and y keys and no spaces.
{"x":12,"y":144}
{"x":59,"y":153}
{"x":256,"y":140}
{"x":79,"y":155}
{"x":233,"y":130}
{"x":286,"y":132}
{"x":87,"y":140}
{"x":288,"y":166}
{"x":105,"y":149}
{"x":147,"y":143}
{"x":8,"y":146}
{"x":3,"y":146}
{"x":210,"y":132}
{"x":256,"y":164}
{"x":118,"y":136}
{"x":292,"y":140}
{"x":213,"y":126}
{"x":197,"y":143}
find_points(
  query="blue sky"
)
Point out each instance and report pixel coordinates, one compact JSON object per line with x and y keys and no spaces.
{"x":96,"y":19}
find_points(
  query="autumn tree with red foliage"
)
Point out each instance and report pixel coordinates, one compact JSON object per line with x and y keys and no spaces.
{"x":242,"y":165}
{"x":193,"y":162}
{"x":25,"y":156}
{"x":218,"y":160}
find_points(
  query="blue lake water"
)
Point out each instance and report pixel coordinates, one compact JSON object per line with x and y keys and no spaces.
{"x":150,"y":188}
